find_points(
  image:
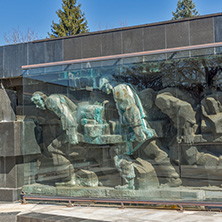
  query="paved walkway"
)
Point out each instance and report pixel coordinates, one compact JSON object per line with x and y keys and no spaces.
{"x":9,"y":210}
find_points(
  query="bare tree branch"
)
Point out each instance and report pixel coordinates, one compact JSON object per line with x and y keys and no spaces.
{"x":16,"y":36}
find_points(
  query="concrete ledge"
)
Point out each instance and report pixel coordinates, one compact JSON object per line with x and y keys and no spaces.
{"x":162,"y":193}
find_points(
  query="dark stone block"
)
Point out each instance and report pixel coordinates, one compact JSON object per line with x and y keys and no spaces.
{"x":132,"y":40}
{"x":29,"y":144}
{"x":7,"y":138}
{"x":8,"y":103}
{"x":54,"y":51}
{"x":91,"y":46}
{"x":12,"y":95}
{"x":111,"y":43}
{"x":8,"y":216}
{"x":18,"y":138}
{"x":14,"y":57}
{"x":11,"y":172}
{"x":1,"y":61}
{"x":218,"y":28}
{"x":2,"y":172}
{"x":7,"y":194}
{"x":72,"y":48}
{"x":21,"y":218}
{"x":201,"y":31}
{"x":177,"y":34}
{"x":20,"y":171}
{"x":154,"y":38}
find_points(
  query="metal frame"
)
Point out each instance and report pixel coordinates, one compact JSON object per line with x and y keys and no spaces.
{"x":72,"y":200}
{"x":120,"y":56}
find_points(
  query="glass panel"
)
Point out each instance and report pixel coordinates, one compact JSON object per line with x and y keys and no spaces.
{"x":201,"y":52}
{"x":43,"y":125}
{"x":146,"y":128}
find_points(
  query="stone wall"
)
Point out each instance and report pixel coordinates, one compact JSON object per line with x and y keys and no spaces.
{"x":13,"y":148}
{"x":169,"y":34}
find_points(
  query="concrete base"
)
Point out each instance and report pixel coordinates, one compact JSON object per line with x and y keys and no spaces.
{"x":160,"y":193}
{"x":33,"y":217}
{"x":102,"y":213}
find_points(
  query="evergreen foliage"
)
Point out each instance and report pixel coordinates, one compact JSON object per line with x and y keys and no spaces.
{"x":72,"y":20}
{"x":185,"y":9}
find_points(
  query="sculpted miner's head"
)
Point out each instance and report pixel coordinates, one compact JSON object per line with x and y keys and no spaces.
{"x":39,"y":99}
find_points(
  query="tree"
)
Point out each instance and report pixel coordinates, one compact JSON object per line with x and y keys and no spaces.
{"x":72,"y":20}
{"x":17,"y":36}
{"x":185,"y":9}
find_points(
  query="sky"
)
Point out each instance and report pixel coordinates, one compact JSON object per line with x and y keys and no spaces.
{"x":38,"y":15}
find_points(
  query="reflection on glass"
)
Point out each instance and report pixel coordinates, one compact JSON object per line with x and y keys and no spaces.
{"x":139,"y":128}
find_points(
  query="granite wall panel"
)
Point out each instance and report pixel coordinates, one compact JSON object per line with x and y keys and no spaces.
{"x":157,"y":36}
{"x":111,"y":43}
{"x":36,"y":52}
{"x":132,"y":40}
{"x":14,"y":56}
{"x":201,"y":31}
{"x":91,"y":46}
{"x":72,"y":48}
{"x":218,"y":28}
{"x":154,"y":37}
{"x":54,"y":51}
{"x":177,"y":34}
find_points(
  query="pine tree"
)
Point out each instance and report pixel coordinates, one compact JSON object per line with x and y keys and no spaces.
{"x":185,"y":9}
{"x":72,"y":20}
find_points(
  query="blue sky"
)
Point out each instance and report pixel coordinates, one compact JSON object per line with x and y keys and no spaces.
{"x":100,"y":14}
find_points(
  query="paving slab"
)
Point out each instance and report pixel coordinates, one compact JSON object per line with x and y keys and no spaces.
{"x":60,"y":212}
